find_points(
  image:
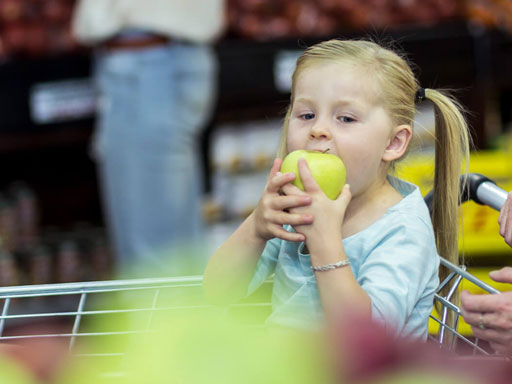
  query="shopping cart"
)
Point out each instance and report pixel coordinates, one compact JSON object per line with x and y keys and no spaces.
{"x":25,"y":315}
{"x":95,"y":320}
{"x":483,"y":191}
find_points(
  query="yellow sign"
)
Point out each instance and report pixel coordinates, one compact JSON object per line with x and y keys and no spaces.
{"x":480,"y":235}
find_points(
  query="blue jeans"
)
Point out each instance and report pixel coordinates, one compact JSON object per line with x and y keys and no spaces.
{"x":153,"y":105}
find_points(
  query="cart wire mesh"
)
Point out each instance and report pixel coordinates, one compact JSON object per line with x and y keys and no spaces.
{"x":448,"y":336}
{"x":75,"y":306}
{"x":109,"y":309}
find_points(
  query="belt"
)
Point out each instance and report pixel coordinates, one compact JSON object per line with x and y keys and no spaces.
{"x":141,"y":42}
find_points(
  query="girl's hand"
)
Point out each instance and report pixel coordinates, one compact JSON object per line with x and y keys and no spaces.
{"x":327,"y":214}
{"x":272,"y":211}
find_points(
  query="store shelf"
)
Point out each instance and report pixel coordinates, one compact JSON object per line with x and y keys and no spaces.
{"x":457,"y":55}
{"x":20,"y":77}
{"x":12,"y":142}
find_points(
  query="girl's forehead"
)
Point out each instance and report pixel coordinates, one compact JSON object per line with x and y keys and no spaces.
{"x":338,"y":78}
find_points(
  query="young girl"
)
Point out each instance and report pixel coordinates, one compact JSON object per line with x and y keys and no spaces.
{"x":374,"y":247}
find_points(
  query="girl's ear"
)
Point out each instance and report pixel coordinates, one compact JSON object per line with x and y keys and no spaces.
{"x":398,"y":143}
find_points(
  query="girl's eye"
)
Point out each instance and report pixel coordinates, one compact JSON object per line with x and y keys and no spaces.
{"x":346,"y":119}
{"x":308,"y":116}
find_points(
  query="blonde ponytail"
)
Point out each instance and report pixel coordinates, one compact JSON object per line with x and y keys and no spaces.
{"x":452,"y":148}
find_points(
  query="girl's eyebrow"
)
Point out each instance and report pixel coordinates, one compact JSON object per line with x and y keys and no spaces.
{"x":304,"y":100}
{"x":339,"y":103}
{"x":350,"y":102}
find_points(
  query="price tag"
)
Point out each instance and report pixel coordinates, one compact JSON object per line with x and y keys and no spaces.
{"x":62,"y":101}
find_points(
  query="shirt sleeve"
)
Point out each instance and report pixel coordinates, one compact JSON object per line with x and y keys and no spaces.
{"x":266,"y":264}
{"x":402,"y":269}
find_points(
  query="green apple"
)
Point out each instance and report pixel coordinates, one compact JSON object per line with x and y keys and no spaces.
{"x":327,"y":169}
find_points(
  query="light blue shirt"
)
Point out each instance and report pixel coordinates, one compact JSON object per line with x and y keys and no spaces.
{"x":394,"y":260}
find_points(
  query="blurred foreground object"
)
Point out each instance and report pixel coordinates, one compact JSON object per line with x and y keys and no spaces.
{"x":162,"y":330}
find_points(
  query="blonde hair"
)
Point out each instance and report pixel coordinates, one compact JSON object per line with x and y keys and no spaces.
{"x":397,"y":87}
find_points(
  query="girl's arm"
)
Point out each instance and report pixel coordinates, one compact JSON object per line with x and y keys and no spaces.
{"x":338,"y":288}
{"x":231,"y":267}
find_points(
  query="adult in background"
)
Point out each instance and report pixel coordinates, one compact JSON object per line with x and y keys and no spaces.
{"x":156,"y":74}
{"x":490,"y":316}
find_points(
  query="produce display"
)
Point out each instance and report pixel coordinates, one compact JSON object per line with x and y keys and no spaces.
{"x":269,"y":19}
{"x":38,"y":28}
{"x":491,"y":13}
{"x":35,"y":27}
{"x":34,"y":254}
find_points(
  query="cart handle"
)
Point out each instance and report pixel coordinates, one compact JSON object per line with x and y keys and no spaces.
{"x":478,"y":188}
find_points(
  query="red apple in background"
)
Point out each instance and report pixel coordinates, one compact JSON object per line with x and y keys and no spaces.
{"x":14,"y":37}
{"x":36,"y":39}
{"x":3,"y":50}
{"x":56,"y":11}
{"x":10,"y":11}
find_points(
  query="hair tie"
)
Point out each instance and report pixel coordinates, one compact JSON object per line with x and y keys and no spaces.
{"x":420,"y":95}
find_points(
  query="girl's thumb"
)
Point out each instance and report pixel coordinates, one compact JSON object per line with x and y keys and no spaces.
{"x":345,"y":193}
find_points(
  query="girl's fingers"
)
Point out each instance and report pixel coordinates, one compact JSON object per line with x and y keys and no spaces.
{"x":278,"y":181}
{"x":345,"y":196}
{"x":285,"y":218}
{"x":276,"y":166}
{"x":283,"y":234}
{"x":307,"y":178}
{"x":291,"y":201}
{"x":290,"y":189}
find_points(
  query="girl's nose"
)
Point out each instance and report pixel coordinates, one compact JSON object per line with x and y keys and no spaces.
{"x":320,"y":131}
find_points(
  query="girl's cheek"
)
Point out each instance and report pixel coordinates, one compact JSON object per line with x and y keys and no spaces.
{"x":294,"y":142}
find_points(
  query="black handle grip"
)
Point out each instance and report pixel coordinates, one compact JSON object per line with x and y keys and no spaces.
{"x":467,"y":189}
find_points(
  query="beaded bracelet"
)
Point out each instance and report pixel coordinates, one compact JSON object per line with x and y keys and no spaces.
{"x":328,"y":267}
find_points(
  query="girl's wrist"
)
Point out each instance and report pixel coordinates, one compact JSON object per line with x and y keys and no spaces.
{"x":326,"y":251}
{"x":322,"y":236}
{"x":253,"y":229}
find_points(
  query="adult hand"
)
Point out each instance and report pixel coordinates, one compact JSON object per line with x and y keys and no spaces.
{"x":505,"y":220}
{"x":490,"y":316}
